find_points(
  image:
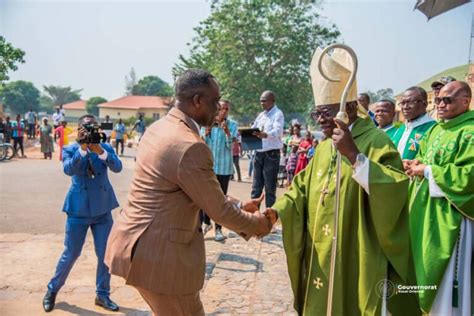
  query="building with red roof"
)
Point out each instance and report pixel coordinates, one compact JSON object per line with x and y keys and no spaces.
{"x":75,"y":109}
{"x":133,"y":105}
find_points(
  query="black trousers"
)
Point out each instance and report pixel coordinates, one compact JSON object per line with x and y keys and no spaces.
{"x":18,"y":141}
{"x":117,"y":142}
{"x":265,"y":175}
{"x":224,"y":182}
{"x":31,"y":130}
{"x":237,"y":166}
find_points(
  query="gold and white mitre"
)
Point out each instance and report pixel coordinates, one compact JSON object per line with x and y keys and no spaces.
{"x":336,"y":66}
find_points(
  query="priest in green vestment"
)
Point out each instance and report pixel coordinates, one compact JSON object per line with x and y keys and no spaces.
{"x":442,"y":206}
{"x":373,"y":253}
{"x":407,"y":138}
{"x":384,"y":111}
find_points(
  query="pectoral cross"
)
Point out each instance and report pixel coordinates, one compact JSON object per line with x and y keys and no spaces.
{"x":326,"y":230}
{"x":318,"y":283}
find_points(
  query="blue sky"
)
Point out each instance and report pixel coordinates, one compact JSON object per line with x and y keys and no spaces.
{"x":93,"y":44}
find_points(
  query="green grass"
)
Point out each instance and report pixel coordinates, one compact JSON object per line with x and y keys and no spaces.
{"x":459,"y":72}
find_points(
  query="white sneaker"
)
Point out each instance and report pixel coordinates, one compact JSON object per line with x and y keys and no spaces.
{"x":207,"y":228}
{"x":219,"y":236}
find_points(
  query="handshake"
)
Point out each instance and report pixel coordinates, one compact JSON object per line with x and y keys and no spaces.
{"x":265,"y":220}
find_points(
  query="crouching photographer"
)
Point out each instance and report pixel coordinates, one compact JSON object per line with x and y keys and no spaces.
{"x":88,"y":204}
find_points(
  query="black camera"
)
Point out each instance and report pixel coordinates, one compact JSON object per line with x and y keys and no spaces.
{"x":92,"y":134}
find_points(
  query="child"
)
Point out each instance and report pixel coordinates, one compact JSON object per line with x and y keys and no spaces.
{"x":291,"y":164}
{"x":282,"y":168}
{"x":63,"y":131}
{"x":312,"y":149}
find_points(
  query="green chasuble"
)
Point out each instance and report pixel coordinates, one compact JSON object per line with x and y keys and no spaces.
{"x":407,"y":138}
{"x":436,"y":222}
{"x":391,"y":131}
{"x":373,"y":233}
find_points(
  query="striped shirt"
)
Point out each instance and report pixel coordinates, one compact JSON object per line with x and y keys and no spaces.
{"x":221,"y":147}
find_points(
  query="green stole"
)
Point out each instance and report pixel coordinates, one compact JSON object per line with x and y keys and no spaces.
{"x":435,"y":223}
{"x":413,"y":143}
{"x":391,"y":131}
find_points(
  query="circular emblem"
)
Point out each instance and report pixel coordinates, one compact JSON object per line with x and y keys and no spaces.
{"x":468,"y":138}
{"x":436,"y":142}
{"x":451,"y":146}
{"x":386,"y":287}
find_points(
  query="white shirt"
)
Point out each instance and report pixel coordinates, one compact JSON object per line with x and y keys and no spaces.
{"x":57,"y":117}
{"x":271,"y":122}
{"x":409,"y":126}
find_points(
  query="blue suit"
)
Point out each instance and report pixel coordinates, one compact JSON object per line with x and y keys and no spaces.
{"x":88,"y":203}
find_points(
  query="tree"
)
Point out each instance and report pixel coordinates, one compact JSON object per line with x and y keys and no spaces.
{"x":46,"y":104}
{"x":92,"y":103}
{"x":252,"y":46}
{"x":381,"y":94}
{"x":130,"y":82}
{"x":20,"y":96}
{"x":61,"y":95}
{"x":152,"y":85}
{"x":9,"y":58}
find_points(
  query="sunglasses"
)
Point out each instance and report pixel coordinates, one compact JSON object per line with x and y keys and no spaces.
{"x":447,"y":100}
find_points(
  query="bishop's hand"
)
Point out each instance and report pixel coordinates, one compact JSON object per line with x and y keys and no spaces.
{"x":264,"y":226}
{"x":343,"y":141}
{"x":271,"y":214}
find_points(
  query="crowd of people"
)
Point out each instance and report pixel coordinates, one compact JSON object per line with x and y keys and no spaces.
{"x":31,"y":127}
{"x":406,"y":197}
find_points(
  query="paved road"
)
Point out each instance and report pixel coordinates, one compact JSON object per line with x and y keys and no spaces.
{"x":247,"y":278}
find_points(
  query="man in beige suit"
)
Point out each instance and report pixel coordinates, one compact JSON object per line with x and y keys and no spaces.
{"x":157,"y":244}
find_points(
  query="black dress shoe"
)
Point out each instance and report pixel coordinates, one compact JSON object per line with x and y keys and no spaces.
{"x":48,"y":301}
{"x":106,"y":303}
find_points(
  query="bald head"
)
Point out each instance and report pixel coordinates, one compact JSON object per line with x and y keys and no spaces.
{"x":453,"y":100}
{"x":462,"y":88}
{"x":267,"y":100}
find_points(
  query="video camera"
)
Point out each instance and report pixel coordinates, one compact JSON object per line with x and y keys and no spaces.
{"x":92,"y":136}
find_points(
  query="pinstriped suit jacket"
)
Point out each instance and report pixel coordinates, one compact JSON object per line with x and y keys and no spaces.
{"x":173,"y":179}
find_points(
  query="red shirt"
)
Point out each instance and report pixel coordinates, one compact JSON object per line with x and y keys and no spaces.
{"x":235,"y":149}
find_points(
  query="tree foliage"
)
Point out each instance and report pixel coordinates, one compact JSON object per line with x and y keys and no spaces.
{"x":9,"y":58}
{"x":152,"y":85}
{"x":381,"y":94}
{"x":92,"y":103}
{"x":20,"y":96}
{"x":252,"y":46}
{"x":61,"y":95}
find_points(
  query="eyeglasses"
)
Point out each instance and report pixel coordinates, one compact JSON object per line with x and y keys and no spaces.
{"x":316,"y":115}
{"x":447,"y":100}
{"x":409,"y":103}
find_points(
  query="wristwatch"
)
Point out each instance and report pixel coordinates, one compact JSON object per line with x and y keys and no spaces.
{"x":360,"y":160}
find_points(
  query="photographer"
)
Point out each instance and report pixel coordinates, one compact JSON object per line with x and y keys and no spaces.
{"x":88,"y":204}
